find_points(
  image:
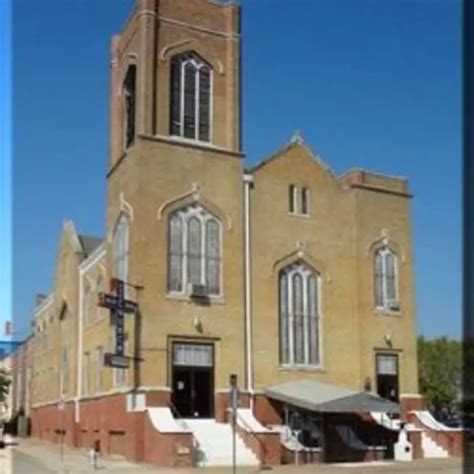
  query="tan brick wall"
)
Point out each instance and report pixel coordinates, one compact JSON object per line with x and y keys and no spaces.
{"x":46,"y":360}
{"x":170,"y":173}
{"x":348,"y":217}
{"x":338,"y":239}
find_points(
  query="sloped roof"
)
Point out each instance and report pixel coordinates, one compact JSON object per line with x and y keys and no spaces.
{"x":89,"y":243}
{"x":321,"y":397}
{"x":296,"y":142}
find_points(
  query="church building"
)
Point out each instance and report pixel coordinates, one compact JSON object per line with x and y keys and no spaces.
{"x":297,"y":281}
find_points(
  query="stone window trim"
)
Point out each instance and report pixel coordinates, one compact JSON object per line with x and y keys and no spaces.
{"x":205,"y":260}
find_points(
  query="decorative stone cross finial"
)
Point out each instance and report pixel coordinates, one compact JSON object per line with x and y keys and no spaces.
{"x":297,"y":138}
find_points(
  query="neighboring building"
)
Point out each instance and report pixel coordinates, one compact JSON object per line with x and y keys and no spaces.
{"x":283,"y":274}
{"x":22,"y":364}
{"x":6,"y":407}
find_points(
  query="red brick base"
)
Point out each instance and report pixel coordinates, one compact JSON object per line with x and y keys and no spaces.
{"x":106,"y":421}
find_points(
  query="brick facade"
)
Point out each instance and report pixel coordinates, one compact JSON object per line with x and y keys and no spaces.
{"x":349,"y":218}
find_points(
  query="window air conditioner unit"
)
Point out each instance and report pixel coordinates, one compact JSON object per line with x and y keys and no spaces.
{"x":393,"y":305}
{"x":196,"y":290}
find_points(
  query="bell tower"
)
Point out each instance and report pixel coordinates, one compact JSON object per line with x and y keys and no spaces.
{"x":175,"y":73}
{"x":174,"y":181}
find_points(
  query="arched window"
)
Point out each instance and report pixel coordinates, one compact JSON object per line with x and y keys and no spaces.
{"x":386,"y":280}
{"x":99,"y":288}
{"x":120,"y":244}
{"x":86,"y":304}
{"x":194,"y":250}
{"x":299,"y":315}
{"x":191,"y":94}
{"x":129,"y":106}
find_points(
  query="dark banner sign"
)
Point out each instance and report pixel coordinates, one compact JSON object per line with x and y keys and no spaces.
{"x":118,"y":306}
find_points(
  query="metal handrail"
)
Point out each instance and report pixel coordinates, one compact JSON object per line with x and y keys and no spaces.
{"x":252,"y":432}
{"x":176,"y":413}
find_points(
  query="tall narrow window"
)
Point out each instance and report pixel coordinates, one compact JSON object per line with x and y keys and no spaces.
{"x":284,"y":320}
{"x":175,"y":254}
{"x":99,"y":367}
{"x":129,"y":105}
{"x":86,"y":374}
{"x":120,"y":244}
{"x":191,"y":94}
{"x":99,"y":288}
{"x":194,"y":250}
{"x":304,"y":201}
{"x":86,"y":308}
{"x":386,"y":284}
{"x":298,"y":319}
{"x":292,"y":198}
{"x":299,"y":315}
{"x":212,"y":256}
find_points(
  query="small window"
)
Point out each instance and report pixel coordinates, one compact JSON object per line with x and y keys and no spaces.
{"x":304,"y":201}
{"x":292,"y":198}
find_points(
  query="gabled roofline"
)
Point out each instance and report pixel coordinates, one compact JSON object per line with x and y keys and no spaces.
{"x":296,"y":141}
{"x":46,"y":303}
{"x":70,"y":229}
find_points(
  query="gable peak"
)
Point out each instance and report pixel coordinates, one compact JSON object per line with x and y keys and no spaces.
{"x":297,"y":138}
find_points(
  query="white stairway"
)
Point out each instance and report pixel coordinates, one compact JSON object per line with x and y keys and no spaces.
{"x":215,"y":444}
{"x":430,"y":448}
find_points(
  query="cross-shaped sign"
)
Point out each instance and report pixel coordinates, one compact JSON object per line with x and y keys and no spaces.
{"x":118,"y":305}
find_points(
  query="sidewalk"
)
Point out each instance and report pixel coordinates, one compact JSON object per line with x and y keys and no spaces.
{"x":74,"y":460}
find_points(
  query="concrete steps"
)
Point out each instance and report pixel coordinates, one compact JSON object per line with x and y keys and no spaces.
{"x":431,"y":449}
{"x":215,"y":444}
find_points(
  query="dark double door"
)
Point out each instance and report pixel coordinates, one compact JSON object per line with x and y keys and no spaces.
{"x":193,"y":380}
{"x":387,"y":376}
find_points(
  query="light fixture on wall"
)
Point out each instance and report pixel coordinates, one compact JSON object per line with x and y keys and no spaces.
{"x":197,"y":324}
{"x":388,"y":338}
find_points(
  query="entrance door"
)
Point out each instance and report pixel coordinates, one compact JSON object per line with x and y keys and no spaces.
{"x":387,"y":376}
{"x":193,"y":380}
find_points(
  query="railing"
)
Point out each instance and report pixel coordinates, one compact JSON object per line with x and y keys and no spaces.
{"x":179,"y":418}
{"x":248,"y":429}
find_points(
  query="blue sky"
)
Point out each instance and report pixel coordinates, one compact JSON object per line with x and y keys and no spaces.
{"x":370,"y":84}
{"x":5,"y":165}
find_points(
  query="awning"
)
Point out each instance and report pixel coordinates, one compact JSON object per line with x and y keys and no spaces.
{"x":325,"y":398}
